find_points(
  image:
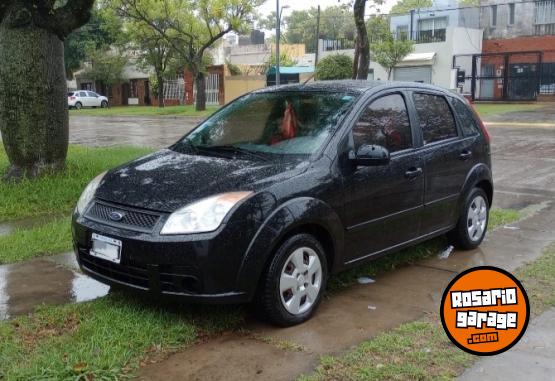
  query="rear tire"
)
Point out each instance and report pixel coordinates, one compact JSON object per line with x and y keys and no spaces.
{"x":473,"y":222}
{"x":292,"y":286}
{"x":78,"y":106}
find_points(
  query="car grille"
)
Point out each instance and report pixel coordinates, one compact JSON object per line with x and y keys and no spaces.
{"x":171,"y":279}
{"x":132,"y":219}
{"x":132,"y":275}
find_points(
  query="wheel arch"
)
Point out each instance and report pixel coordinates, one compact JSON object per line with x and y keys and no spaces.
{"x":302,"y":215}
{"x":478,"y":177}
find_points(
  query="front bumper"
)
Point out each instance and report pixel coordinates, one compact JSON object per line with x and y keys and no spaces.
{"x":197,"y":268}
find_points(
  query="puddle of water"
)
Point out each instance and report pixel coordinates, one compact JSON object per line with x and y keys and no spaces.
{"x":25,"y":286}
{"x":9,"y":227}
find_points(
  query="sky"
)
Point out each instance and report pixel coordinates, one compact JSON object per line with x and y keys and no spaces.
{"x":270,"y":5}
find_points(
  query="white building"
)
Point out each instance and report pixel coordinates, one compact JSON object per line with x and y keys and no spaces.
{"x":438,"y":35}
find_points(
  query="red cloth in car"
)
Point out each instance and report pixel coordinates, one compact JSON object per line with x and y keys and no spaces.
{"x":288,"y":128}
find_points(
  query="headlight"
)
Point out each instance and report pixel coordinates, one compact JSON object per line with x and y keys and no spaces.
{"x":88,"y":194}
{"x":203,"y":216}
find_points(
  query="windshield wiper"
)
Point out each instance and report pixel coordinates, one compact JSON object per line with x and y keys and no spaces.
{"x":233,"y":150}
{"x":185,"y":143}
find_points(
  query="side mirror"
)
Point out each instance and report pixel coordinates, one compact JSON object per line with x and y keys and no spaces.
{"x":371,"y":155}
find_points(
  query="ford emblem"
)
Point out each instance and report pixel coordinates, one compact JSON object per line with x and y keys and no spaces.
{"x":116,"y":216}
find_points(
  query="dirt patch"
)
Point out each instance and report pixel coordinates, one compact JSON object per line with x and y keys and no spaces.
{"x":231,"y":357}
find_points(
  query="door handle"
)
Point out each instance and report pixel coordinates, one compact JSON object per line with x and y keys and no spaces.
{"x":413,"y":173}
{"x":465,"y":155}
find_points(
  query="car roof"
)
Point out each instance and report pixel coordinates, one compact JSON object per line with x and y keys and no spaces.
{"x":351,"y":86}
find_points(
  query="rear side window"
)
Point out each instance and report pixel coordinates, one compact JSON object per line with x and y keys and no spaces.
{"x":386,"y":123}
{"x":435,"y":116}
{"x":82,"y":94}
{"x":468,"y":123}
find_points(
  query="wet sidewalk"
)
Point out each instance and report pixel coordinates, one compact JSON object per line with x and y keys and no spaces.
{"x":531,"y":359}
{"x":353,"y":315}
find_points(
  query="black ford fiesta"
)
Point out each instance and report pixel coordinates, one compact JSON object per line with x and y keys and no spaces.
{"x":283,"y":187}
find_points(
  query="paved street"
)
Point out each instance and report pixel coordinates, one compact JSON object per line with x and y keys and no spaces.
{"x":156,"y":132}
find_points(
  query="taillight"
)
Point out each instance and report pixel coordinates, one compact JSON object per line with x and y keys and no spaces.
{"x":481,"y":123}
{"x":72,"y":98}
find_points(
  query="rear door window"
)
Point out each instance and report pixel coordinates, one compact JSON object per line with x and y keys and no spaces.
{"x":82,"y":94}
{"x":385,"y":123}
{"x":435,"y":117}
{"x":469,"y":125}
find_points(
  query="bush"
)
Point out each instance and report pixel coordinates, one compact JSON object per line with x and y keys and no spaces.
{"x":337,"y":66}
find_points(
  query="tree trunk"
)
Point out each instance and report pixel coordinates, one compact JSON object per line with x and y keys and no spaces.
{"x":34,"y":121}
{"x":200,"y":80}
{"x":363,"y":45}
{"x":160,"y":93}
{"x":355,"y":60}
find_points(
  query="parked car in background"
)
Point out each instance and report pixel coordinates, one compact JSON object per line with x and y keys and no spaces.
{"x":285,"y":186}
{"x":82,"y":98}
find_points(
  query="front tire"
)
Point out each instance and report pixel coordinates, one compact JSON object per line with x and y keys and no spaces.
{"x":104,"y":104}
{"x":473,"y":222}
{"x":293,"y":284}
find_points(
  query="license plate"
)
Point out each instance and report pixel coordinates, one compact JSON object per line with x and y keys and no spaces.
{"x":106,"y":248}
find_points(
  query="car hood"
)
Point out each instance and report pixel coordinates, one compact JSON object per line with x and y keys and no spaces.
{"x":168,"y":180}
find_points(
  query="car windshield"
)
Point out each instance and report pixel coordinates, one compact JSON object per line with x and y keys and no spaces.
{"x":278,"y":123}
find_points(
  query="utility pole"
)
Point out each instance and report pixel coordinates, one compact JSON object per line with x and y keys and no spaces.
{"x":278,"y":35}
{"x":317,"y":39}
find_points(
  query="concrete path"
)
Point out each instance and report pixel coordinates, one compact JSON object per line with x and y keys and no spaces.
{"x":533,"y":358}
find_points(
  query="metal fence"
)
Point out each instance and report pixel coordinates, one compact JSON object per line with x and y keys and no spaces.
{"x":212,"y":90}
{"x":174,"y":89}
{"x":515,"y":76}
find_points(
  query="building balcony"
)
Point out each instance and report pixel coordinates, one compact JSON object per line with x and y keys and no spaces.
{"x":424,"y":36}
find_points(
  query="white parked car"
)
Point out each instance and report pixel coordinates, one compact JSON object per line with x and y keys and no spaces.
{"x":81,"y":98}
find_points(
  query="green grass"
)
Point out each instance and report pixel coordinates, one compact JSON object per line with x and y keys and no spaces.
{"x":487,"y":109}
{"x":538,"y":279}
{"x":146,"y":111}
{"x":420,"y":350}
{"x":58,"y":193}
{"x":501,"y":217}
{"x":48,"y":239}
{"x":107,"y":339}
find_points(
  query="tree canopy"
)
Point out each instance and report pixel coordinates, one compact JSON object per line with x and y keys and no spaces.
{"x":335,"y":66}
{"x":299,"y":26}
{"x":191,"y":27}
{"x":389,"y":52}
{"x":103,"y":30}
{"x":405,"y":6}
